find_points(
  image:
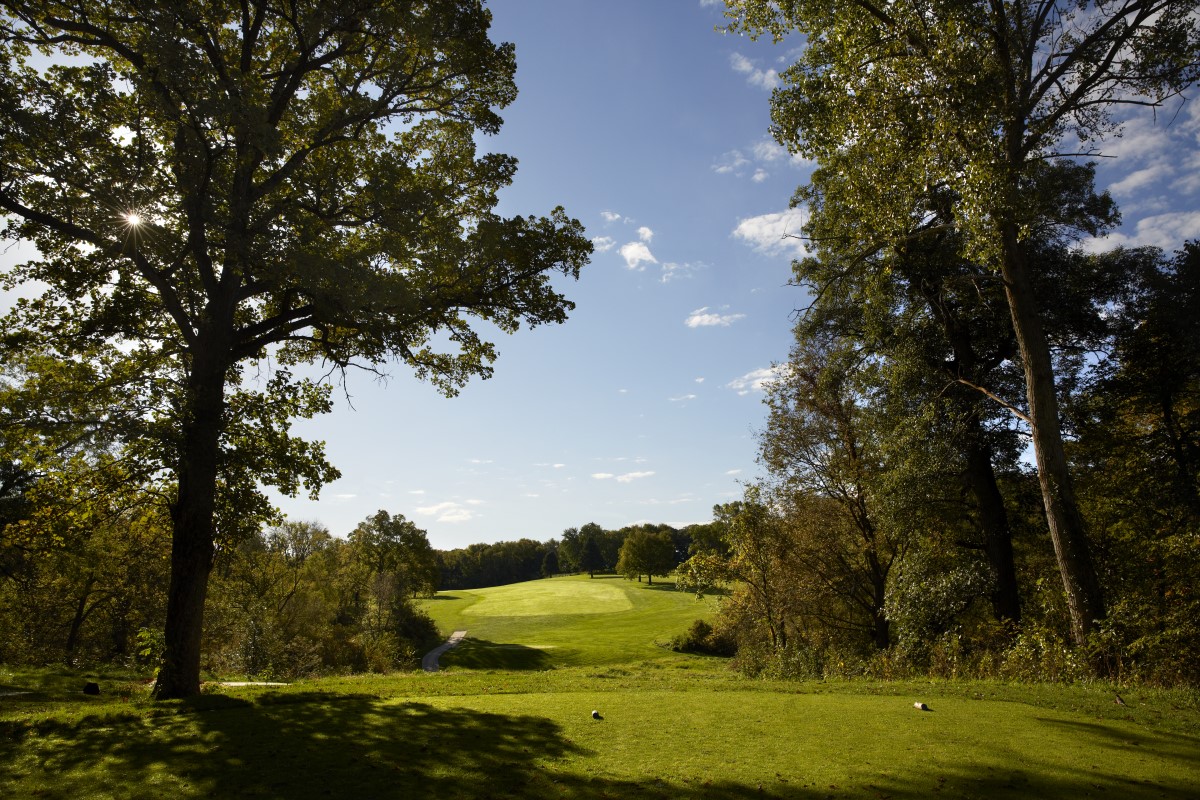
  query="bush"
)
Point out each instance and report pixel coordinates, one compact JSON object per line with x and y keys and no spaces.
{"x":703,"y":639}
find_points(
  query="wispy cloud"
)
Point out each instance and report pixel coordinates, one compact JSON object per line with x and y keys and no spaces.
{"x":774,"y":234}
{"x":610,"y":216}
{"x":1167,"y":231}
{"x":705,"y":318}
{"x":754,"y":381}
{"x":645,"y":234}
{"x":628,"y":477}
{"x":673,"y":271}
{"x":755,"y":160}
{"x":762,"y":78}
{"x":732,"y":162}
{"x":603,"y":244}
{"x":449,"y":512}
{"x":683,"y":398}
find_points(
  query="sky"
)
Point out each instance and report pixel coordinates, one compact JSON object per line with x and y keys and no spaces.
{"x":651,"y":128}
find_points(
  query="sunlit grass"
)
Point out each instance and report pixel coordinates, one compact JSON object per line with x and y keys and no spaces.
{"x":564,"y":621}
{"x":512,"y":719}
{"x":669,"y":729}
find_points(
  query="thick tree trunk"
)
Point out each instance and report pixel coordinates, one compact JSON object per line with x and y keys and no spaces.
{"x":1067,"y":531}
{"x":193,"y":523}
{"x":993,"y":519}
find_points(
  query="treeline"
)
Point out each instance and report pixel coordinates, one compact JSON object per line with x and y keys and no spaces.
{"x":983,"y":453}
{"x":85,"y":561}
{"x":633,"y":551}
{"x":88,"y":586}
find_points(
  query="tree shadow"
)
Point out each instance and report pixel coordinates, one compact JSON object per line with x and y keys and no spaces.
{"x":482,"y":654}
{"x":318,"y":745}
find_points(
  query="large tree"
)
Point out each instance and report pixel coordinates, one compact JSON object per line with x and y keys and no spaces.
{"x":978,"y":99}
{"x":221,"y":191}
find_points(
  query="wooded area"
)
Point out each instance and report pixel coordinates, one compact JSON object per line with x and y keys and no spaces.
{"x":954,"y":327}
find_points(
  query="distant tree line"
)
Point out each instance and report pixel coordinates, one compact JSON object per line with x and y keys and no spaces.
{"x":633,"y":551}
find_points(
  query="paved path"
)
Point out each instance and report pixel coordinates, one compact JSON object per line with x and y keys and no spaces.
{"x":430,"y":662}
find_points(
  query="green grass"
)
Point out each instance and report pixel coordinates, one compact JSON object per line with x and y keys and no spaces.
{"x":673,"y":727}
{"x":564,"y":621}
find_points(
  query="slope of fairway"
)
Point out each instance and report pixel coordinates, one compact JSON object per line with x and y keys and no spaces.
{"x":570,"y":620}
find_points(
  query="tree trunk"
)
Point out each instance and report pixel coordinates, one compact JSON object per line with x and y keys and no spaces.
{"x":193,"y":525}
{"x":993,"y":519}
{"x":1067,"y":531}
{"x":81,"y":614}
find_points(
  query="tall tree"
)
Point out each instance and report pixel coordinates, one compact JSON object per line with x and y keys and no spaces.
{"x":978,"y":98}
{"x":218,"y":189}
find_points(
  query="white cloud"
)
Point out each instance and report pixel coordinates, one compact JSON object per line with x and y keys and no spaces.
{"x":645,"y":234}
{"x":754,"y":381}
{"x":733,"y":472}
{"x":703,"y":318}
{"x":603,"y":243}
{"x":683,"y":398}
{"x":448,"y":512}
{"x":417,"y":491}
{"x":636,"y":254}
{"x":559,"y":466}
{"x":672,"y":270}
{"x":774,"y":234}
{"x":760,"y":175}
{"x":1167,"y":231}
{"x":699,"y":380}
{"x":733,"y":161}
{"x":764,"y":79}
{"x":628,"y":477}
{"x":610,"y":216}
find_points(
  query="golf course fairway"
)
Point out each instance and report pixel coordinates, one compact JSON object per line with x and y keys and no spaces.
{"x":511,"y":716}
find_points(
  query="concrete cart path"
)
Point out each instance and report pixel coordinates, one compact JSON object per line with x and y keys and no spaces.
{"x":430,"y":662}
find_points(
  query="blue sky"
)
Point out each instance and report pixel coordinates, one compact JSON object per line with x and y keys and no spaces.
{"x":651,"y":129}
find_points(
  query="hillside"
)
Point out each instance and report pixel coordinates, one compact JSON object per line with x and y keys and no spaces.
{"x":564,"y":621}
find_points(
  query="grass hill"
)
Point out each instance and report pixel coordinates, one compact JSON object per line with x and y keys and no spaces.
{"x":511,"y":718}
{"x":564,"y":621}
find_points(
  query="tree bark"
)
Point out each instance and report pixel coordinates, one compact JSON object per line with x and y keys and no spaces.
{"x":1084,"y":599}
{"x":993,"y":519}
{"x":193,"y":523}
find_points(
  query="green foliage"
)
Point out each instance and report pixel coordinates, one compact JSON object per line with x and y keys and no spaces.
{"x":956,"y":128}
{"x":221,"y":193}
{"x":701,"y":638}
{"x":645,"y":552}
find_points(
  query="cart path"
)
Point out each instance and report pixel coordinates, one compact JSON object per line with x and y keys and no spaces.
{"x":430,"y":662}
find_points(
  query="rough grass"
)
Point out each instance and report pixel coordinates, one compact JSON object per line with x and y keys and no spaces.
{"x":673,"y":726}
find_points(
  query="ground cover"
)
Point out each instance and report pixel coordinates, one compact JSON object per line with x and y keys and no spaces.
{"x":672,"y":726}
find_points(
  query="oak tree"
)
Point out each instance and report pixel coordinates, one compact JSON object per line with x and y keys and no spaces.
{"x":222,"y":193}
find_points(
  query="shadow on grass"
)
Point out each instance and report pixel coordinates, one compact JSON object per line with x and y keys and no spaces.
{"x":317,"y":745}
{"x":482,"y":654}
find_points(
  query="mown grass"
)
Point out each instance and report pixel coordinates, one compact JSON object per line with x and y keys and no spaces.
{"x":673,"y":726}
{"x":564,"y":621}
